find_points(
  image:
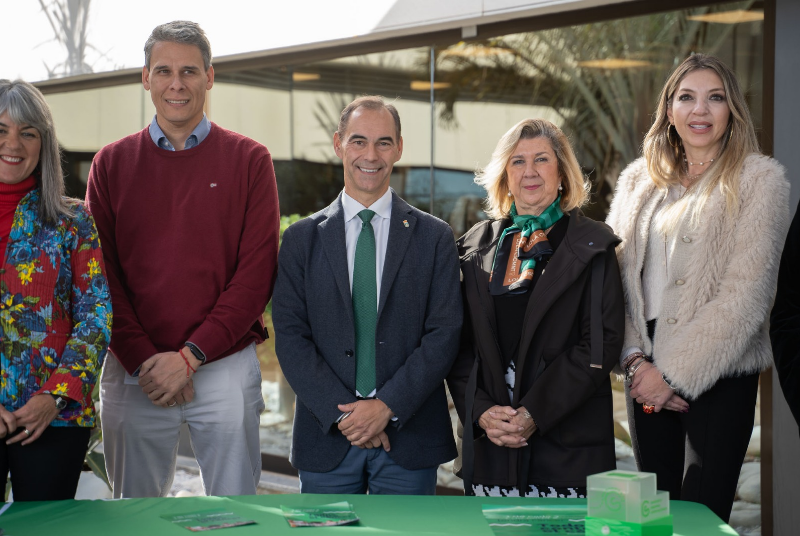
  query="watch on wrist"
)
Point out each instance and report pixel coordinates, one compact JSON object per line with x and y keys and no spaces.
{"x":196,"y":351}
{"x":61,"y":403}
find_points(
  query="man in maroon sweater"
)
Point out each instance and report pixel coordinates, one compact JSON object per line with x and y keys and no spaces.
{"x":188,"y":217}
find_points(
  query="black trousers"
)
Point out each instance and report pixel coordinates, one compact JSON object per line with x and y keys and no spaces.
{"x":49,"y":468}
{"x":697,"y":456}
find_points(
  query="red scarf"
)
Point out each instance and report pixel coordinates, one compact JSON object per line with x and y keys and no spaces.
{"x":10,"y":196}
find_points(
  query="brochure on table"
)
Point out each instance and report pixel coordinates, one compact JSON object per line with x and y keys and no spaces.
{"x":205,"y":520}
{"x":325,"y":515}
{"x":535,"y":520}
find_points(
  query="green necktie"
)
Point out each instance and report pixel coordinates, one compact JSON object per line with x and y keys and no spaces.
{"x":365,"y":304}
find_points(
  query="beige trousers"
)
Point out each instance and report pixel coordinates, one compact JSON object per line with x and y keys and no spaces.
{"x":140,"y":439}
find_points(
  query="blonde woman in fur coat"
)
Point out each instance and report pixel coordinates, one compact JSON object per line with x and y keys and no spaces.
{"x":702,"y":219}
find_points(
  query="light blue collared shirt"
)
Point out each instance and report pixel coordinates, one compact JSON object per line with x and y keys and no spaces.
{"x":197,"y":136}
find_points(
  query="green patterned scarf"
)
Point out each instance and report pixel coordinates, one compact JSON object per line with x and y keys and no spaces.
{"x":516,"y":272}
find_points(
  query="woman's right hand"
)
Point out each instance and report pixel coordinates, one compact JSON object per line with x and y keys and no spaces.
{"x":676,"y":403}
{"x":649,"y":388}
{"x":8,"y":423}
{"x":496,"y":422}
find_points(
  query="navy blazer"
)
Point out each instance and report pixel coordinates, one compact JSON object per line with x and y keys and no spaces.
{"x":419,"y":321}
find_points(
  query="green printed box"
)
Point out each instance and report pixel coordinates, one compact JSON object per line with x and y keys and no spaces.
{"x":596,"y":526}
{"x":626,"y":496}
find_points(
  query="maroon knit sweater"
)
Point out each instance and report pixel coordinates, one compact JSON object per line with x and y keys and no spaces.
{"x":190,"y":241}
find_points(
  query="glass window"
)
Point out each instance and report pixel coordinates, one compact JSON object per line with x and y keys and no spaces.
{"x":599,"y":82}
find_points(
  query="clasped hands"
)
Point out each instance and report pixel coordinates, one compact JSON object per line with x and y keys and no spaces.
{"x":648,"y":387}
{"x":35,"y":416}
{"x":364,"y":423}
{"x":166,"y":380}
{"x":507,"y":427}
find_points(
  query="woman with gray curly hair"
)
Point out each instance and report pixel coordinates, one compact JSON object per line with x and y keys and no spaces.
{"x":55,"y":307}
{"x":543,"y":326}
{"x":702,"y":217}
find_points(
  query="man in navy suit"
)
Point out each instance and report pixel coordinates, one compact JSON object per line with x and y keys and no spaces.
{"x":367,"y":357}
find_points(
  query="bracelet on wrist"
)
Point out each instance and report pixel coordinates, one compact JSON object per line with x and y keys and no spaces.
{"x":626,"y":363}
{"x":188,"y":365}
{"x":666,"y":380}
{"x":629,"y":370}
{"x":634,"y":363}
{"x":635,"y":368}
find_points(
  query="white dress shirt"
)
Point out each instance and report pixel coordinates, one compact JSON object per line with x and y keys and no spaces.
{"x":380,"y":225}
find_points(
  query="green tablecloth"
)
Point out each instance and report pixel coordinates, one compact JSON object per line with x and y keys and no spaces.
{"x":381,"y":515}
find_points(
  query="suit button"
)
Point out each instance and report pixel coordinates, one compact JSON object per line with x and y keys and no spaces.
{"x":349,"y":353}
{"x":671,"y":320}
{"x":686,"y":239}
{"x":680,"y":282}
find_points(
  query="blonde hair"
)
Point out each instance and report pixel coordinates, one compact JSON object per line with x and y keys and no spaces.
{"x":665,"y":159}
{"x":494,"y":179}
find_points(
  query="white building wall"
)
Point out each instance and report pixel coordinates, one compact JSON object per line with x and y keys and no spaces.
{"x":88,"y":120}
{"x":261,"y":114}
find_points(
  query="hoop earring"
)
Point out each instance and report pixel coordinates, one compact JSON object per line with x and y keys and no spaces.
{"x":669,"y":138}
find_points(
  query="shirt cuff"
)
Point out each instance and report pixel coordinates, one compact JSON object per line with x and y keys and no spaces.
{"x":373,"y":394}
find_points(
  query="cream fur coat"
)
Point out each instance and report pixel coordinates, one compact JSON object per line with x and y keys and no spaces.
{"x":714,"y":318}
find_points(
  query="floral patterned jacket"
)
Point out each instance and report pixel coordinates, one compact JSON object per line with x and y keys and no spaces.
{"x":55,"y":312}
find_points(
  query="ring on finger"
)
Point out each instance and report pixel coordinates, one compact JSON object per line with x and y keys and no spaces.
{"x":174,"y":402}
{"x":648,"y":409}
{"x":27,"y":432}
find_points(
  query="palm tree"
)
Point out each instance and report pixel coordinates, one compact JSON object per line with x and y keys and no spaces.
{"x":69,"y":21}
{"x":601,"y":79}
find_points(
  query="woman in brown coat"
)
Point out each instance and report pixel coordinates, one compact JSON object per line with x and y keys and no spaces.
{"x":543,"y":326}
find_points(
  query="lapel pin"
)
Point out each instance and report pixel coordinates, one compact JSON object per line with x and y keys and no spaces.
{"x":405,"y":222}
